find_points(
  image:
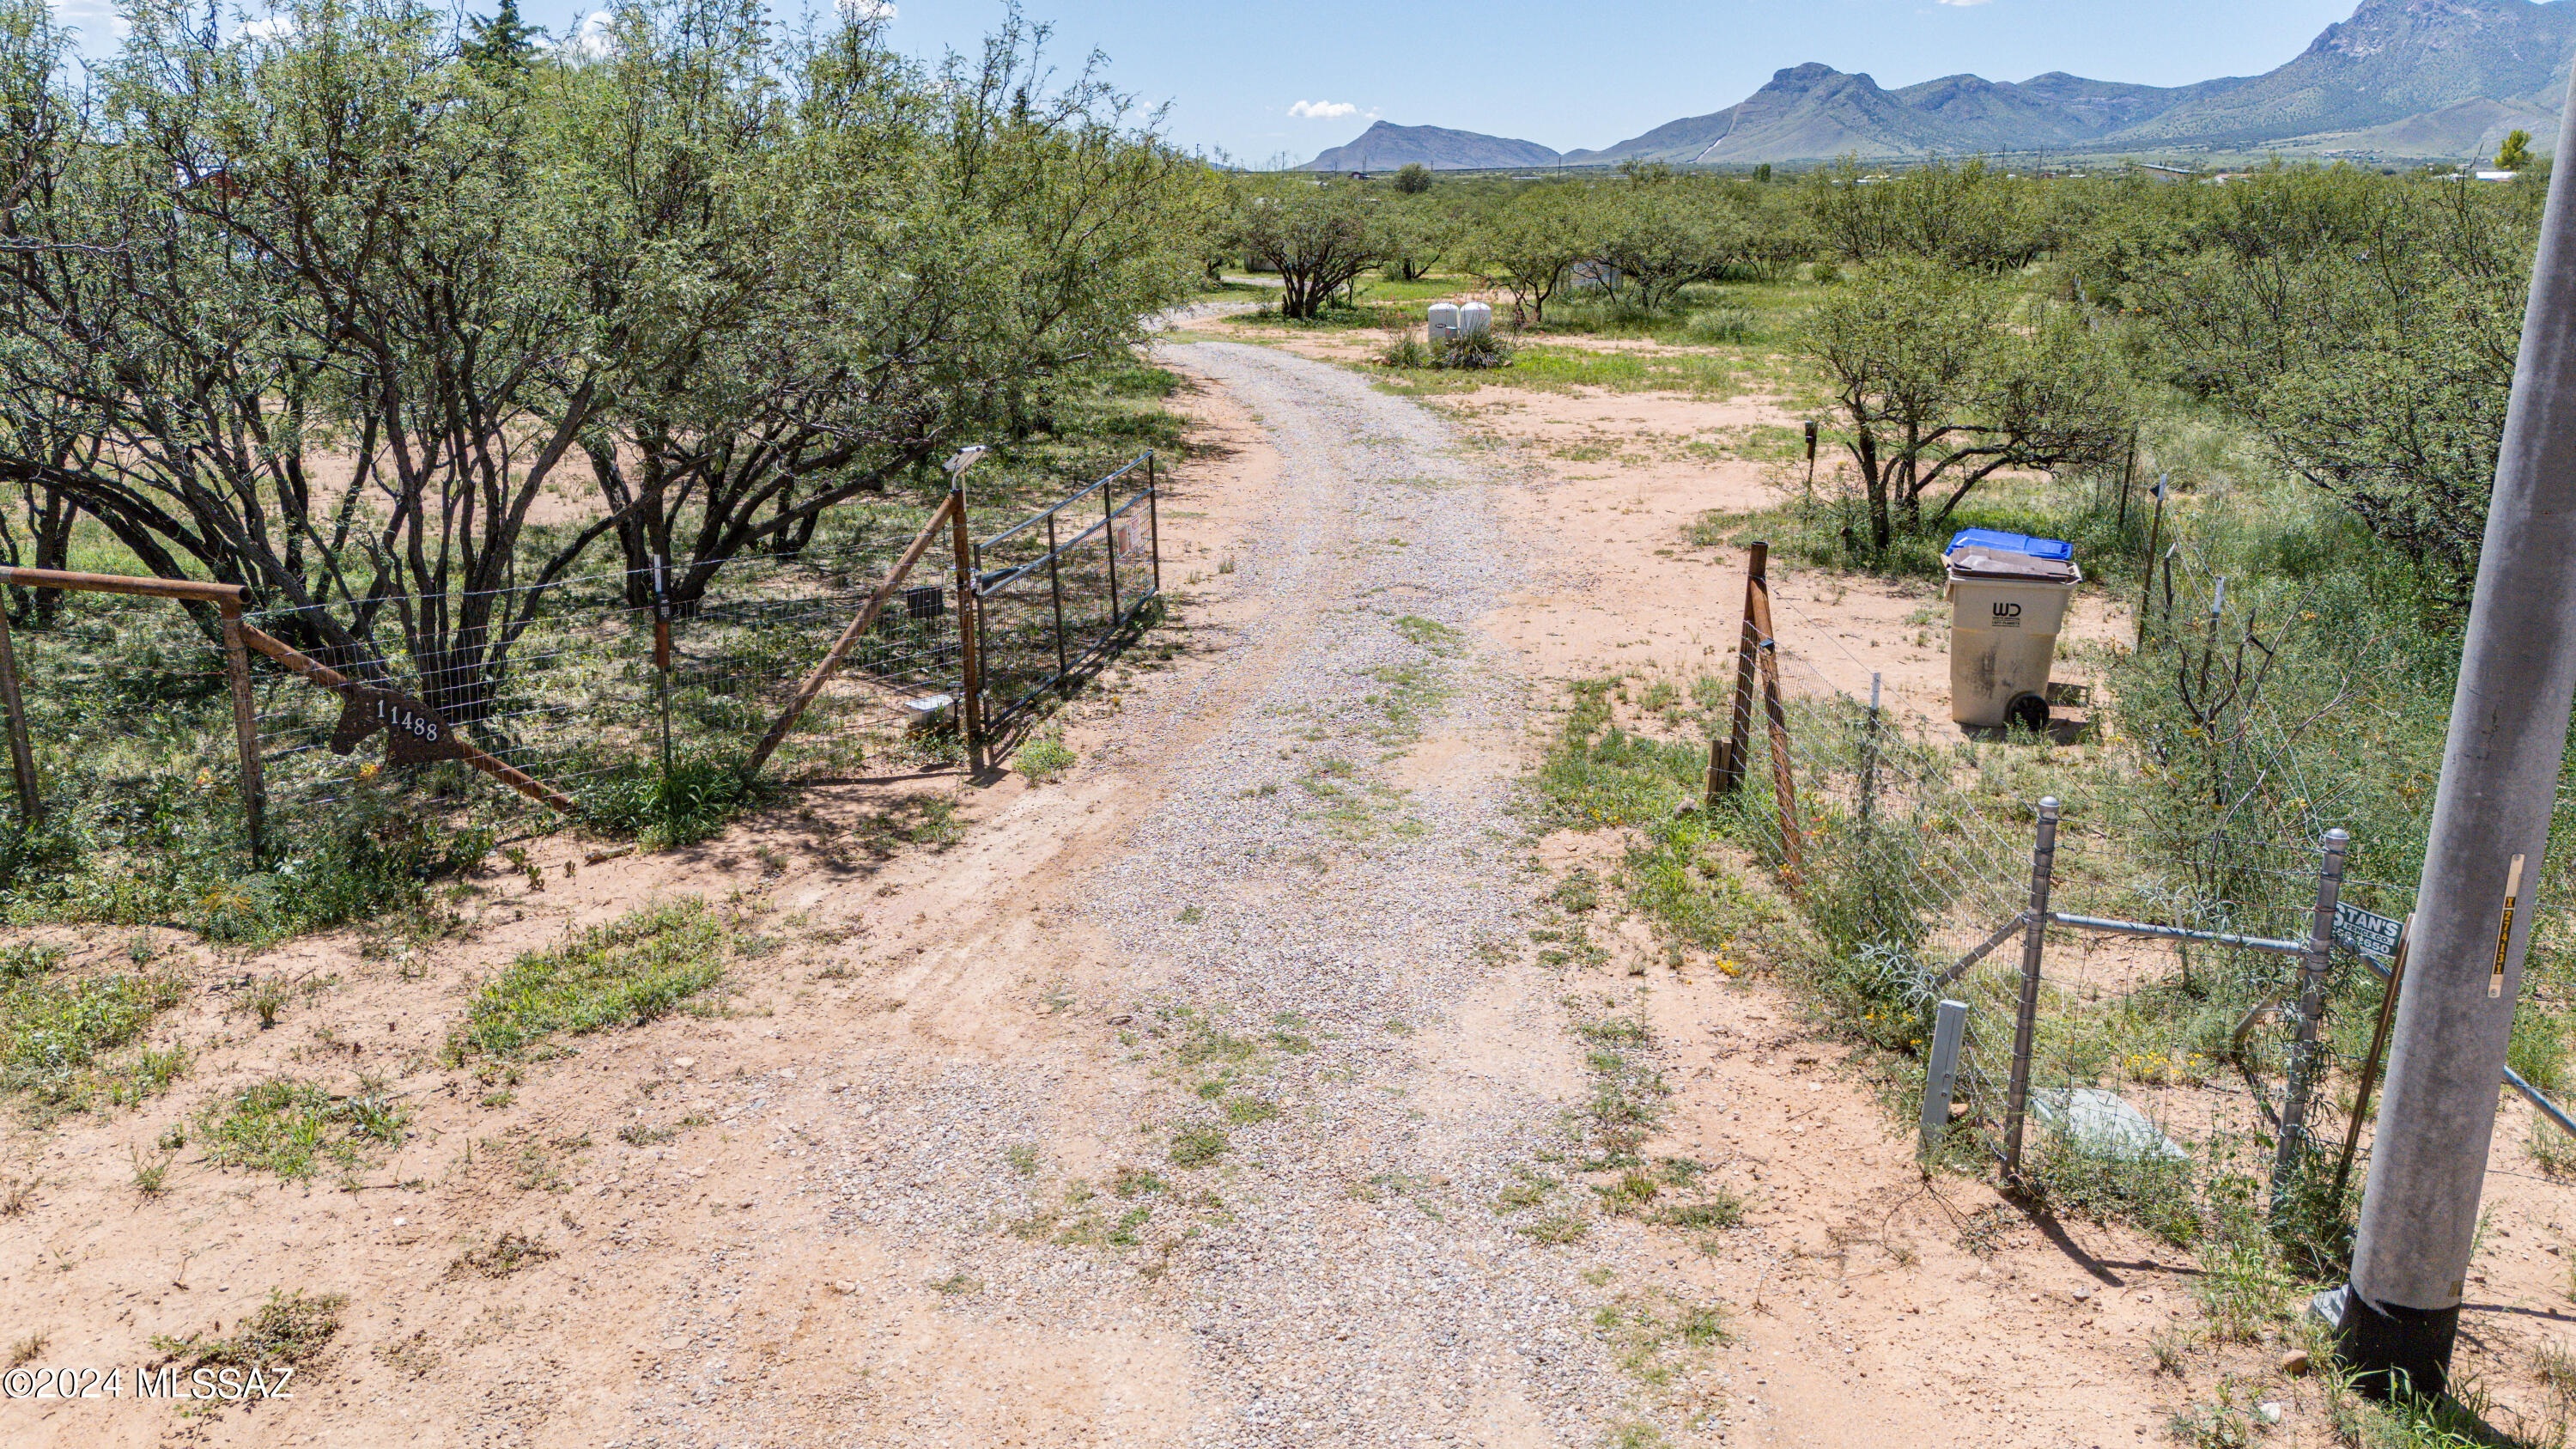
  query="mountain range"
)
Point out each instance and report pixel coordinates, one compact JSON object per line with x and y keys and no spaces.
{"x":2399,"y":78}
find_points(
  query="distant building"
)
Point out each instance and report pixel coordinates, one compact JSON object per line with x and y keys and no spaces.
{"x":2167,"y":173}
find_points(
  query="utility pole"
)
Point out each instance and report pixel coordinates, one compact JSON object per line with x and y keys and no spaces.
{"x":2396,"y":1319}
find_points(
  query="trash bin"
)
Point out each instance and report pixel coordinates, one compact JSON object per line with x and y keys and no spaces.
{"x":2008,"y":594}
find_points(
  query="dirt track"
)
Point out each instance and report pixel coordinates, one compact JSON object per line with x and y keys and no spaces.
{"x":952,"y":1178}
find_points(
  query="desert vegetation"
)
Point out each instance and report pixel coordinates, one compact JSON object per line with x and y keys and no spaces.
{"x":2295,"y":380}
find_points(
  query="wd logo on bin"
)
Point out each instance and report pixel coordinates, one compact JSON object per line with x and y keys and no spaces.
{"x":2007,"y":616}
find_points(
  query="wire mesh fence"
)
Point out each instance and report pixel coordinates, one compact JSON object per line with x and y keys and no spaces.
{"x":1058,"y":589}
{"x":567,"y":682}
{"x":1911,"y":861}
{"x":589,"y":694}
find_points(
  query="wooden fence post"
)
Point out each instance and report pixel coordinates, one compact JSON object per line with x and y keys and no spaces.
{"x":254,"y":788}
{"x":1727,"y":757}
{"x":22,"y":757}
{"x":1775,"y":710}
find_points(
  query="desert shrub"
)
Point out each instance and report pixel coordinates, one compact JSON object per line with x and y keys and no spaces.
{"x":1045,"y":758}
{"x":1481,"y":350}
{"x":696,"y":799}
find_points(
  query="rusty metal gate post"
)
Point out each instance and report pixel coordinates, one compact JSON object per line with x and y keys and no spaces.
{"x":2043,"y":866}
{"x":254,"y":790}
{"x":2290,"y":1160}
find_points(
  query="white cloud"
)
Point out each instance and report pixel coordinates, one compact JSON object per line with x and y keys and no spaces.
{"x":860,"y":11}
{"x":1963,"y":4}
{"x":97,"y":22}
{"x":1323,"y":110}
{"x":270,"y":27}
{"x":588,"y":40}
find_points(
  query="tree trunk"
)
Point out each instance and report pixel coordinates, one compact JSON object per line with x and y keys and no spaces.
{"x":1875,"y":477}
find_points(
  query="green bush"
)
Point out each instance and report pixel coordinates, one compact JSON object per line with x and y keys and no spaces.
{"x":2538,"y":1047}
{"x":57,"y":1039}
{"x":2152,"y":1191}
{"x":696,"y":799}
{"x":1044,"y":758}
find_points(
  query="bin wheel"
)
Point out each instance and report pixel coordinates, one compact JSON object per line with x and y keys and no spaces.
{"x":2029,"y":711}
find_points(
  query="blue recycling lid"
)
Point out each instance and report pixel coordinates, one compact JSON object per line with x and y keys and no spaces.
{"x":1995,"y":540}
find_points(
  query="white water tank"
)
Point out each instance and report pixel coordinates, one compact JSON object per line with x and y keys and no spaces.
{"x":1444,"y":321}
{"x":1475,"y":320}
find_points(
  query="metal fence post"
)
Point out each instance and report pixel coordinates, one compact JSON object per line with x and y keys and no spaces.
{"x":1055,"y":591}
{"x":1869,"y":750}
{"x":1154,"y":522}
{"x":662,"y":667}
{"x":2147,"y":589}
{"x":2290,"y":1160}
{"x":1109,"y":544}
{"x":2043,"y":863}
{"x":970,"y":627}
{"x":1949,"y":1026}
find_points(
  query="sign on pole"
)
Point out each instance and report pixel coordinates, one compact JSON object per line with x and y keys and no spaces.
{"x":2368,"y":932}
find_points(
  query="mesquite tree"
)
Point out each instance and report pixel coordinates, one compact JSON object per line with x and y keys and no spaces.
{"x":1317,"y":235}
{"x":1941,"y":385}
{"x":327,"y":311}
{"x":827,"y":282}
{"x":1527,"y":245}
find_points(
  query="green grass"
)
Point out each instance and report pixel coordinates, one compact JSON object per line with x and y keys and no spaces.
{"x":1246,"y":1110}
{"x":638,"y":968}
{"x":294,"y":1128}
{"x":1044,"y":759}
{"x":64,"y":1044}
{"x":1539,"y":367}
{"x":701,"y":795}
{"x":2154,"y":1192}
{"x":1198,"y":1146}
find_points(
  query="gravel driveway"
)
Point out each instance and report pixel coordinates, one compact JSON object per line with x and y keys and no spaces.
{"x":1273,"y":1170}
{"x":1291,"y":879}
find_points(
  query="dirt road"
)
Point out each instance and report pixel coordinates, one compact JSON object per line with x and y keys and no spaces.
{"x":1239,"y":1189}
{"x":1213,"y":1096}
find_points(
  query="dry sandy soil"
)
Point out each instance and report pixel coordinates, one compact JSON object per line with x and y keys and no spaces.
{"x":939,"y":1171}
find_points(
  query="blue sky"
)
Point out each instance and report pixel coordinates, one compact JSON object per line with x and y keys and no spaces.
{"x":1258,"y":80}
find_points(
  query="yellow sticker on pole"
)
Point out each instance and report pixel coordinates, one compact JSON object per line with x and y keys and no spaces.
{"x":2504,"y":933}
